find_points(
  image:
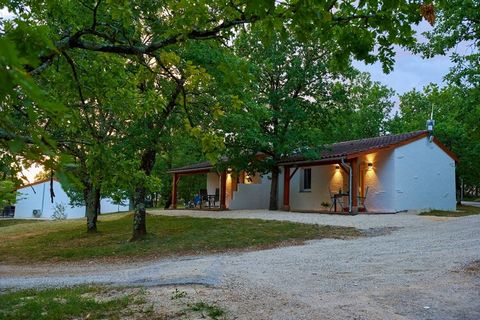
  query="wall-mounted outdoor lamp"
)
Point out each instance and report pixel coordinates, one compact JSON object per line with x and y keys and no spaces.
{"x":337,"y":167}
{"x":370,"y":166}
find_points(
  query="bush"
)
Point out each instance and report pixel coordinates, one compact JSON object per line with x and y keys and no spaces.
{"x":59,"y":211}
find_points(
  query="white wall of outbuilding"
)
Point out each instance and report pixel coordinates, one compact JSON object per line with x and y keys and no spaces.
{"x":37,"y":197}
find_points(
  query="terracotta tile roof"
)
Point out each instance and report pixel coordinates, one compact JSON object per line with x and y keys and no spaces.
{"x":201,"y":166}
{"x":352,"y":147}
{"x":35,"y":183}
{"x":336,"y":151}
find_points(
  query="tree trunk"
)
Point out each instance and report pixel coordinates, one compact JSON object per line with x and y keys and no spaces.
{"x":139,"y":222}
{"x":90,"y":195}
{"x":274,"y":189}
{"x":98,"y":200}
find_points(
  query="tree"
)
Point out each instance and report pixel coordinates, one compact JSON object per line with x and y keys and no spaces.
{"x":298,"y":98}
{"x":280,"y":110}
{"x":362,"y":111}
{"x":455,"y":22}
{"x":8,"y":194}
{"x":456,"y":108}
{"x":45,"y":31}
{"x":456,"y":126}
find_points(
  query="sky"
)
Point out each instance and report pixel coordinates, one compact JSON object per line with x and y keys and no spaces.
{"x":411,"y":71}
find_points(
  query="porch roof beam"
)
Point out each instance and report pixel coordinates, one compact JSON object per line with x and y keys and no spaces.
{"x":309,"y":163}
{"x":190,"y":171}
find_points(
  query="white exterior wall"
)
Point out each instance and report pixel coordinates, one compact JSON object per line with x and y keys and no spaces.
{"x":37,"y":197}
{"x":213,"y":182}
{"x":107,"y":206}
{"x":424,"y":177}
{"x":30,"y":200}
{"x":324,"y":177}
{"x":252,"y":196}
{"x":380,"y":180}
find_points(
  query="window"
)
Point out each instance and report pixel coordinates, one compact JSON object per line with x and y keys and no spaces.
{"x":306,"y":180}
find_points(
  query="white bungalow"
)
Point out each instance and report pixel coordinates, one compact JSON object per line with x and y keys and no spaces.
{"x":388,"y":174}
{"x":34,"y":202}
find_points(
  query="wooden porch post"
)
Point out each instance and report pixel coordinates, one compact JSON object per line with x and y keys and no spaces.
{"x":286,"y":188}
{"x":223,"y":190}
{"x":354,"y":165}
{"x":174,"y":190}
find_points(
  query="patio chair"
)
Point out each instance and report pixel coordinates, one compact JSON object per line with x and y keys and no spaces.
{"x":203,"y":196}
{"x":361,"y":200}
{"x":340,"y":202}
{"x":332,"y":199}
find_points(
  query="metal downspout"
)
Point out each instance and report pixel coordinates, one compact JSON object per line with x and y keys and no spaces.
{"x":43,"y":198}
{"x":349,"y":185}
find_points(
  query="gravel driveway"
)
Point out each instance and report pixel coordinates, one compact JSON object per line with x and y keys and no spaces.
{"x":413,"y":272}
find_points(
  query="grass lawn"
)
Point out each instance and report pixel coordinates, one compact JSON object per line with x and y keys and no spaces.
{"x":66,"y":303}
{"x":50,"y":241}
{"x":461,"y":212}
{"x":11,"y":222}
{"x":99,"y":302}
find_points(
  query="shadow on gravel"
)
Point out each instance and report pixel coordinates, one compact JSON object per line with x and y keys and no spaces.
{"x":377,"y":232}
{"x":473,"y":268}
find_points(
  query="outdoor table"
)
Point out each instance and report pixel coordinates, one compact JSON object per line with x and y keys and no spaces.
{"x":337,"y":196}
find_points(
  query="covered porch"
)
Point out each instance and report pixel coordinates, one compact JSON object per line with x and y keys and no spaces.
{"x":220,"y":186}
{"x":335,"y":185}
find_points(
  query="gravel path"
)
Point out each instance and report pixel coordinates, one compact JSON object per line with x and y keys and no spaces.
{"x":413,"y":272}
{"x":471,"y":203}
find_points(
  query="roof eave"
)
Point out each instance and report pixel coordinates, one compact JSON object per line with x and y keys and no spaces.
{"x":304,"y":163}
{"x":191,"y":171}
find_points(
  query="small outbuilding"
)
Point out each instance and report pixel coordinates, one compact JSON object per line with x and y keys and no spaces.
{"x":386,"y":174}
{"x":34,"y":202}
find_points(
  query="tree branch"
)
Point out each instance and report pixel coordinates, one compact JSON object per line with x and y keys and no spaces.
{"x":95,"y":9}
{"x":75,"y":76}
{"x":75,"y":41}
{"x":8,"y":136}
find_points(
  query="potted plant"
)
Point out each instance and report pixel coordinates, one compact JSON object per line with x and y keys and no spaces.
{"x":325,"y":205}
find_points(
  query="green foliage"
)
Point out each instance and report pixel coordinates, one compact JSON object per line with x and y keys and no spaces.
{"x":178,"y":294}
{"x":59,"y":211}
{"x":297,"y":99}
{"x":457,"y":21}
{"x":214,"y":312}
{"x":7,"y":193}
{"x":362,"y":110}
{"x":457,"y":32}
